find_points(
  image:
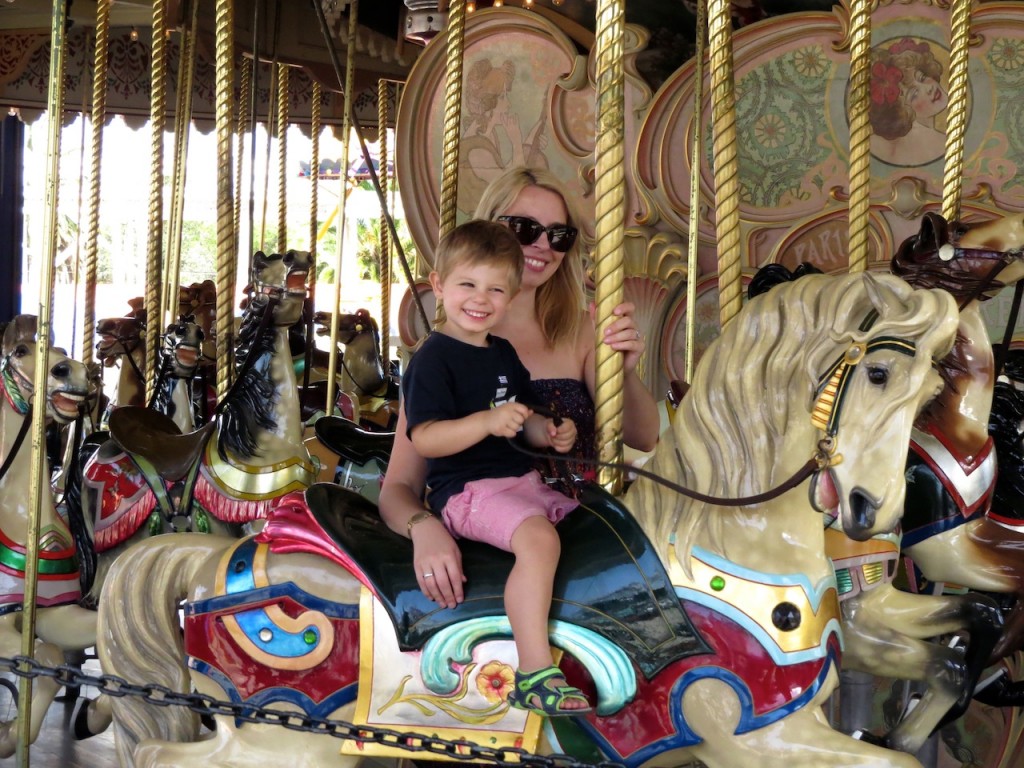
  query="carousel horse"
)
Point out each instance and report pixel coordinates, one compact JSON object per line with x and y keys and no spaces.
{"x":365,"y":376}
{"x":124,"y":339}
{"x":61,"y":624}
{"x":149,"y":478}
{"x":699,"y":631}
{"x":952,"y":530}
{"x":894,"y":634}
{"x":181,"y":352}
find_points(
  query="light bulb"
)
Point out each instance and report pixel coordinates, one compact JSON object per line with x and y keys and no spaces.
{"x":134,"y":35}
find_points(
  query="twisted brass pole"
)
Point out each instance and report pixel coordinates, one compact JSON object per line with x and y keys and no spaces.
{"x":154,"y":252}
{"x":314,"y":176}
{"x":39,"y":481}
{"x":727,"y":188}
{"x":99,"y":116}
{"x":697,"y":139}
{"x":860,"y":134}
{"x":609,"y":256}
{"x":227,"y":255}
{"x":384,"y":256}
{"x":182,"y":123}
{"x":282,"y":157}
{"x":350,"y":67}
{"x":956,"y":125}
{"x":452,"y":115}
{"x":242,"y":128}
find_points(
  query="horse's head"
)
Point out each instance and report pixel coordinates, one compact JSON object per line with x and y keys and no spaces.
{"x":67,"y":382}
{"x":119,"y":336}
{"x":350,"y":325}
{"x":281,"y":278}
{"x":970,"y":260}
{"x":200,"y":301}
{"x":880,"y":376}
{"x":182,"y":346}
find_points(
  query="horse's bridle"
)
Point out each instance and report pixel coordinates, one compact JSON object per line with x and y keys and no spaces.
{"x":14,"y":381}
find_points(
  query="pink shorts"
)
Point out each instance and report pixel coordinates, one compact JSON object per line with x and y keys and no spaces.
{"x":490,"y":510}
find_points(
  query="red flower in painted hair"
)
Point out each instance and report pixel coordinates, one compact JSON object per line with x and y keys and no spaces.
{"x":908,"y":44}
{"x":885,"y":83}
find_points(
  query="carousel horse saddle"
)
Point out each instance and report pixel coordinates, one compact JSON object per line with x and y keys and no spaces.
{"x":346,"y":439}
{"x":155,"y":437}
{"x":610,"y":580}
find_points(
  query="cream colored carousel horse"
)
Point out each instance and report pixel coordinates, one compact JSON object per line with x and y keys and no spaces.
{"x":61,"y":624}
{"x":700,"y":632}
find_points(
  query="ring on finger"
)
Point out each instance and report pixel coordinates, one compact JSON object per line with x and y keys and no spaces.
{"x":638,"y":333}
{"x":428,"y":575}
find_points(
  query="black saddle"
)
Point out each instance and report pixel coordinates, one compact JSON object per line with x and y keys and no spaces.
{"x":353,"y":443}
{"x":609,"y":579}
{"x":155,"y":437}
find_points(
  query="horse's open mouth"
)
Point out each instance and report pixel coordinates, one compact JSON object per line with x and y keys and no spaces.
{"x":296,"y":282}
{"x":186,"y":356}
{"x":67,"y":403}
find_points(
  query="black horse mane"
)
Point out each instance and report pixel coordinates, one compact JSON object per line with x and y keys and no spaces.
{"x":1004,"y":427}
{"x":247,"y":409}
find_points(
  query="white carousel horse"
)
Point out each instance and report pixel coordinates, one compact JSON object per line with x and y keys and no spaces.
{"x":181,"y":353}
{"x":61,"y":624}
{"x":150,"y":478}
{"x":894,"y":634}
{"x":700,"y":632}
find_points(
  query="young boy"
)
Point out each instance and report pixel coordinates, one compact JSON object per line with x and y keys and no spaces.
{"x":465,"y":394}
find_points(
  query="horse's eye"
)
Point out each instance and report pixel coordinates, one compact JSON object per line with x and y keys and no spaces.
{"x":878,"y":374}
{"x":21,"y":350}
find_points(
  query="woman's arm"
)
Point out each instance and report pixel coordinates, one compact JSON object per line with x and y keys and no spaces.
{"x":641,"y":423}
{"x":434,"y":550}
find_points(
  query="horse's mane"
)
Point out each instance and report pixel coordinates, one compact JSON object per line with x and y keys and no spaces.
{"x":1004,"y":427}
{"x":755,"y":384}
{"x":248,"y":408}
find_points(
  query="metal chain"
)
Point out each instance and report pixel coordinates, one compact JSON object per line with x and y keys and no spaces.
{"x":162,"y":696}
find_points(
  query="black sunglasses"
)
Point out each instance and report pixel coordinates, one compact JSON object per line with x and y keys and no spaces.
{"x":528,"y":231}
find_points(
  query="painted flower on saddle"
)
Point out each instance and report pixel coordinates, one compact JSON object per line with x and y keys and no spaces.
{"x":885,"y":83}
{"x":495,"y":681}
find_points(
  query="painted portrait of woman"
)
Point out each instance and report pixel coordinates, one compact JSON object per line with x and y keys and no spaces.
{"x":907,"y":95}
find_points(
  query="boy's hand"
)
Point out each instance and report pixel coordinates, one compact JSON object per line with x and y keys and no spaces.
{"x":563,"y":437}
{"x":507,"y":419}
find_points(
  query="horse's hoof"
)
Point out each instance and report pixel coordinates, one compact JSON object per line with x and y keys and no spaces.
{"x":81,"y":727}
{"x":869,"y":738}
{"x":1000,"y":692}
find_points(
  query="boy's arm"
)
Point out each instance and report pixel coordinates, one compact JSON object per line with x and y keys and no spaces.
{"x":433,"y":439}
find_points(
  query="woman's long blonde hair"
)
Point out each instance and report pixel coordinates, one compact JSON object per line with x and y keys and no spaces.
{"x":560,"y":300}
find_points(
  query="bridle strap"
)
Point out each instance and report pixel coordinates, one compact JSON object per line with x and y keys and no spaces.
{"x":18,"y":440}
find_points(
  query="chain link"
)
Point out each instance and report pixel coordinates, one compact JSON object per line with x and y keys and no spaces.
{"x":162,"y":696}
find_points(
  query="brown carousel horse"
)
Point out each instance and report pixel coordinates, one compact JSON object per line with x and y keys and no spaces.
{"x":953,"y":531}
{"x":365,"y":376}
{"x":61,"y":624}
{"x":150,"y":478}
{"x":699,"y":631}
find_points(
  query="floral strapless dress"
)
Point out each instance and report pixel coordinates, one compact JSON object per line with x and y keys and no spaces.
{"x":569,"y":398}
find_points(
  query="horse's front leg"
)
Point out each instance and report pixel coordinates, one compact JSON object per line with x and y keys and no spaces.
{"x":44,"y":689}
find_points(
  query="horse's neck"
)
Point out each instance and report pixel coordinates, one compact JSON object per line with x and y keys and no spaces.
{"x":131,"y":390}
{"x":363,"y":371}
{"x":14,"y":485}
{"x":180,"y":399}
{"x":286,"y":438}
{"x":962,"y":412}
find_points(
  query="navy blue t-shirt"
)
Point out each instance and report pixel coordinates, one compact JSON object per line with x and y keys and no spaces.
{"x":449,"y":379}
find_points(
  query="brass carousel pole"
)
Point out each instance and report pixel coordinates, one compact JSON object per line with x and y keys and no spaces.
{"x":609,"y":255}
{"x":40,"y":479}
{"x":182,"y":121}
{"x":697,"y":139}
{"x":727,"y":197}
{"x":314,"y":180}
{"x":154,"y":251}
{"x":452,"y":115}
{"x":242,"y":129}
{"x":956,"y":125}
{"x":350,"y":69}
{"x":860,"y":133}
{"x":227,"y":255}
{"x":282,"y":157}
{"x":99,"y":116}
{"x":384,"y":255}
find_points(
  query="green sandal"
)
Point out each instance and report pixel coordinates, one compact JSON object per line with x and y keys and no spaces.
{"x":534,"y":693}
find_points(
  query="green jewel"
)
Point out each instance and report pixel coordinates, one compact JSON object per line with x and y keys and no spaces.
{"x":717,"y":583}
{"x":309,"y":637}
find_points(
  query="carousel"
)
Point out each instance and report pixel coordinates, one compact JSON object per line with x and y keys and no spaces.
{"x":767,"y":253}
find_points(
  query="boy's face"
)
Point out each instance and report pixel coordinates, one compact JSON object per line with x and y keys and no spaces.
{"x":475,"y":297}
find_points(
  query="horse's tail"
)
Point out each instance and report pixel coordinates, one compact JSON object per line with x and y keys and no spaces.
{"x":140,"y":637}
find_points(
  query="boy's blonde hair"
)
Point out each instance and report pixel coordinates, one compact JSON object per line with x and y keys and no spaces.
{"x":479,"y":242}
